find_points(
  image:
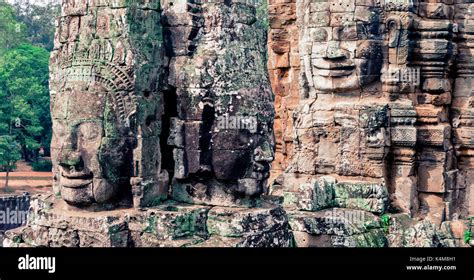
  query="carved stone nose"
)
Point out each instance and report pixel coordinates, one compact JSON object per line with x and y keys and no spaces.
{"x":335,"y":52}
{"x":70,"y":159}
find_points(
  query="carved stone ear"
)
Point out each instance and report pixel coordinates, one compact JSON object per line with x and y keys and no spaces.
{"x":397,"y":29}
{"x":393,"y":30}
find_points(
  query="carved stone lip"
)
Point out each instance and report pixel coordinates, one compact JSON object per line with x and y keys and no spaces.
{"x":334,"y":70}
{"x":333,"y":73}
{"x":76,"y":179}
{"x":334,"y":67}
{"x":77,"y":175}
{"x":337,"y":67}
{"x":75,"y":183}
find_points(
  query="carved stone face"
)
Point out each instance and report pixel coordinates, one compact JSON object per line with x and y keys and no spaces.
{"x":243,"y":146}
{"x":232,"y":142}
{"x":91,"y":150}
{"x":223,"y":140}
{"x":342,"y":45}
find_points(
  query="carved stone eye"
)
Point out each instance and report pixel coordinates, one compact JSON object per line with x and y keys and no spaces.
{"x":90,"y":131}
{"x":318,"y":35}
{"x":368,"y":30}
{"x":347,"y":33}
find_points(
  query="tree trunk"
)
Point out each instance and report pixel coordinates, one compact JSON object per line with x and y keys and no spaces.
{"x":25,"y":153}
{"x":6,"y":178}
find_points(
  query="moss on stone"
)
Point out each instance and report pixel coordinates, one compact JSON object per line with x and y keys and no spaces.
{"x":158,"y":200}
{"x":152,"y":222}
{"x":185,"y":225}
{"x":191,"y":224}
{"x":289,"y":198}
{"x":17,"y":239}
{"x":371,"y":238}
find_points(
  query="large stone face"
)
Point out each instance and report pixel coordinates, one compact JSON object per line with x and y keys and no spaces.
{"x":106,"y":102}
{"x":221,"y":134}
{"x":347,"y":113}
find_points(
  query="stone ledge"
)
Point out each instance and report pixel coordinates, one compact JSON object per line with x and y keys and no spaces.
{"x":53,"y":223}
{"x":325,"y":192}
{"x":337,"y":227}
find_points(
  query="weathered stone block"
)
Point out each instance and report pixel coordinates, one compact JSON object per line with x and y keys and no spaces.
{"x":434,"y":135}
{"x":210,"y":192}
{"x":336,"y":228}
{"x":312,"y":196}
{"x":433,"y":206}
{"x":405,"y":232}
{"x":403,"y":135}
{"x":150,"y":192}
{"x":403,"y":192}
{"x":431,"y":178}
{"x":370,"y":197}
{"x":239,"y":222}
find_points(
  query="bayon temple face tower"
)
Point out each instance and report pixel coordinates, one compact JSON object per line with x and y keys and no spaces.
{"x":106,"y":101}
{"x":181,"y":123}
{"x":382,"y":101}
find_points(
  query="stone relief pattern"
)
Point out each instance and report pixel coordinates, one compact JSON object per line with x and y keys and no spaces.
{"x":384,"y":97}
{"x":283,"y":69}
{"x":106,"y":102}
{"x":116,"y":95}
{"x":460,"y":189}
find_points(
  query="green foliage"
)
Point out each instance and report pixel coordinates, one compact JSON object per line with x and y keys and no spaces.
{"x":9,"y":152}
{"x":24,"y":110}
{"x":39,"y":22}
{"x":42,"y":165}
{"x":262,"y":14}
{"x":467,"y":236}
{"x":12,"y":32}
{"x":468,"y":231}
{"x":385,"y":219}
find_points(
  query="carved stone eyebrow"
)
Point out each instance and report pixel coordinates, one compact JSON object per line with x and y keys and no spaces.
{"x":76,"y":123}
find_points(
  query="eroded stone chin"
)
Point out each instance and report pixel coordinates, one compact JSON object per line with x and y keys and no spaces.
{"x":82,"y":194}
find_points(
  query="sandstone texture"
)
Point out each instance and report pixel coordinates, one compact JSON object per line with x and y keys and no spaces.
{"x":347,"y":123}
{"x":372,"y":111}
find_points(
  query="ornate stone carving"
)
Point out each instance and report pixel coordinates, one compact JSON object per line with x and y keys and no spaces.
{"x":460,"y":192}
{"x":106,"y":103}
{"x":222,"y":132}
{"x":375,"y":97}
{"x":342,"y":125}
